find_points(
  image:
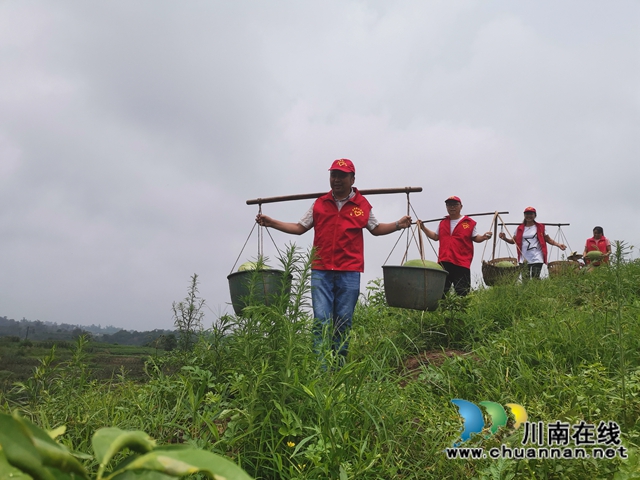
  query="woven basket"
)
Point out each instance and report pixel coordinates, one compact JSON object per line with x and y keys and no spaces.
{"x":562,"y":267}
{"x":493,"y":275}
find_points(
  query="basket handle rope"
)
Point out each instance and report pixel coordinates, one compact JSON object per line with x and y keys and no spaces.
{"x":260,"y":241}
{"x":560,"y":236}
{"x":420,"y":233}
{"x":494,"y":224}
{"x":411,"y":237}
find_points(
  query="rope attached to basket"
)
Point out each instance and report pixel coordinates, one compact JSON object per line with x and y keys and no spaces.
{"x":260,"y":240}
{"x":411,"y":237}
{"x":563,"y":239}
{"x":494,"y":224}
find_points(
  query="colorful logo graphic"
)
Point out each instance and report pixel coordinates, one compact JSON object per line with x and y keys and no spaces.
{"x":474,"y":418}
{"x":357,"y":212}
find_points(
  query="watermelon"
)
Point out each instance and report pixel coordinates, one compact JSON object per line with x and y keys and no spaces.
{"x":594,"y":255}
{"x":248,"y":266}
{"x":504,"y":264}
{"x":422,"y":264}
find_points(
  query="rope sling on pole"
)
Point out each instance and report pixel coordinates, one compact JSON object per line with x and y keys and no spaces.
{"x":419,"y":286}
{"x":563,"y":264}
{"x":260,"y":241}
{"x":411,"y":237}
{"x":271,"y":280}
{"x":257,"y":284}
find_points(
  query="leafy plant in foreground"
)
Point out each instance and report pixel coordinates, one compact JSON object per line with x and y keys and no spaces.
{"x":28,"y":451}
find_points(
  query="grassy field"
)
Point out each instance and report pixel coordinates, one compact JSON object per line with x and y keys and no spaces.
{"x":564,"y":348}
{"x":18,"y":359}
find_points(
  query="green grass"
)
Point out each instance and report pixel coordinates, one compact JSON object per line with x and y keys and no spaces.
{"x":565,"y":348}
{"x":19,"y":359}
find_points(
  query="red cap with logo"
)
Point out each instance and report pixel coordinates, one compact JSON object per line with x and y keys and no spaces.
{"x":453,"y":199}
{"x":530,"y":210}
{"x":344,"y":165}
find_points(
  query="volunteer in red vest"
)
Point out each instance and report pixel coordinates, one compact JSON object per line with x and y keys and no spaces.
{"x":531,"y":242}
{"x":338,"y":219}
{"x":597,"y":243}
{"x":456,"y":233}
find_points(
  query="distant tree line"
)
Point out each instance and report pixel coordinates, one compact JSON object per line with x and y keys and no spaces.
{"x":165,"y":339}
{"x":37,"y":330}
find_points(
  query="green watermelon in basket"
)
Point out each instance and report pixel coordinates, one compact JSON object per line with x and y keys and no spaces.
{"x":422,"y":264}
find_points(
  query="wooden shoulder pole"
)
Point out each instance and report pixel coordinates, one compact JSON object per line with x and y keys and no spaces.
{"x":305,"y":196}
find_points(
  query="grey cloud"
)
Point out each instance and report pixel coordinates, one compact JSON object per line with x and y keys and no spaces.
{"x":131,"y":133}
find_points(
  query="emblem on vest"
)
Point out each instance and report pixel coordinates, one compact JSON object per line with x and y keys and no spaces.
{"x":356,"y":212}
{"x":465,"y":225}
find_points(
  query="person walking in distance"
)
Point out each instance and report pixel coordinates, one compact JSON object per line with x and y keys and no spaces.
{"x":531,"y":241}
{"x":456,"y":234}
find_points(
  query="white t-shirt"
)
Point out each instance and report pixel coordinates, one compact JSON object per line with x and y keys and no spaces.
{"x":531,"y":250}
{"x":452,"y":225}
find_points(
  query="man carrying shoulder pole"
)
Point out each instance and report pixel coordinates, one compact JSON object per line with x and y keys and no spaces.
{"x":338,"y":219}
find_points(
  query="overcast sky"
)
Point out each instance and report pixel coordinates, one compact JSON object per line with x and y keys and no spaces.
{"x":133,"y":132}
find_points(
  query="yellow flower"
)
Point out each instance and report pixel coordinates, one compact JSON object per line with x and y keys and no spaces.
{"x":291,"y":444}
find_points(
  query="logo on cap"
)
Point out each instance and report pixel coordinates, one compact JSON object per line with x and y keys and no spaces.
{"x":453,"y":199}
{"x":530,"y":210}
{"x":344,"y":165}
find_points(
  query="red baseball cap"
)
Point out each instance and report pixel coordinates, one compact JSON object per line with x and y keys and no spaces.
{"x":453,"y":199}
{"x":530,"y":210}
{"x":344,"y":165}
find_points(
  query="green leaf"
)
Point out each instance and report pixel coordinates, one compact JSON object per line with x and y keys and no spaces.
{"x":629,"y":468}
{"x":107,"y":442}
{"x":32,"y":450}
{"x":18,"y":449}
{"x":53,"y":454}
{"x":186,"y":462}
{"x":8,"y":472}
{"x":343,"y":473}
{"x":144,"y":475}
{"x":308,"y":391}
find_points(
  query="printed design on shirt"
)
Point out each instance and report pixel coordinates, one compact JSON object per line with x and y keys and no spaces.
{"x":356,"y":212}
{"x":529,"y":246}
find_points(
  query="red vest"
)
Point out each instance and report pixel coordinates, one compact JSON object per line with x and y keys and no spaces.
{"x":456,"y":247}
{"x":541,"y":240}
{"x":600,"y":244}
{"x":338,"y":239}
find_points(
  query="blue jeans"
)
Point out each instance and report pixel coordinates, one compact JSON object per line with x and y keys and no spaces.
{"x":334,"y":296}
